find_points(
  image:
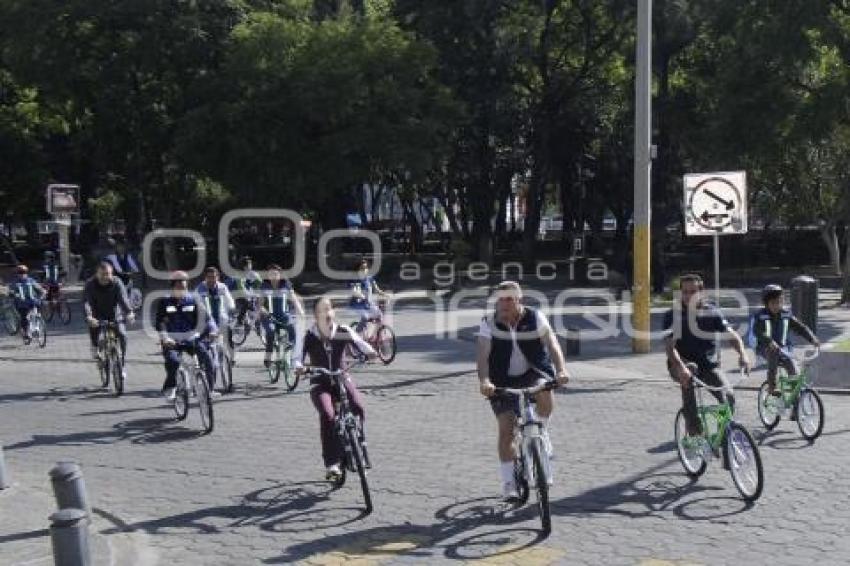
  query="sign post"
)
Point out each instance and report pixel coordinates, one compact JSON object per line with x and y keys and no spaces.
{"x":62,"y":202}
{"x":716,"y":205}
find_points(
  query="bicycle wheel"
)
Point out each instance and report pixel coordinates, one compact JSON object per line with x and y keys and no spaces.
{"x":240,"y":333}
{"x":359,"y":465}
{"x":38,"y":331}
{"x":519,"y":480}
{"x":541,"y":485}
{"x":202,"y":392}
{"x":290,"y":378}
{"x":688,"y":448}
{"x":114,"y":361}
{"x":64,"y":311}
{"x":103,"y":369}
{"x":810,"y":416}
{"x":181,"y":395}
{"x":386,"y":346}
{"x":11,"y":321}
{"x":226,"y":370}
{"x":47,"y":310}
{"x":274,"y":366}
{"x":769,"y":407}
{"x":744,"y":462}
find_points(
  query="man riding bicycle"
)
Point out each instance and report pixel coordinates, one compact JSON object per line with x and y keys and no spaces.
{"x":691,"y":330}
{"x":244,"y":288}
{"x":104,"y":295}
{"x":517,"y":348}
{"x":218,"y":302}
{"x":181,"y":322}
{"x":276,"y":295}
{"x":363,"y":292}
{"x":27,"y":294}
{"x":123,"y":264}
{"x":769,"y":330}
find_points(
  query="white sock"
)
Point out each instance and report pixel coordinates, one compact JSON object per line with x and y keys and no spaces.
{"x":506,"y":471}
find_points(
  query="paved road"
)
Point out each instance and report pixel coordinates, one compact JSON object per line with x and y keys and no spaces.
{"x":250,"y":492}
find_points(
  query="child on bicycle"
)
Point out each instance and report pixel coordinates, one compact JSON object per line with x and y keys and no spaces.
{"x":28,"y":295}
{"x":769,"y":334}
{"x":363,"y":291}
{"x":325,"y":344}
{"x":278,"y":300}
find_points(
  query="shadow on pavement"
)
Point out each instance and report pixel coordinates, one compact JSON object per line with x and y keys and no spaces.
{"x":269,"y":509}
{"x":138,"y":431}
{"x":795,"y":442}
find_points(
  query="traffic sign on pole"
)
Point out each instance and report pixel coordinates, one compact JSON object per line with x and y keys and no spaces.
{"x":716,"y":204}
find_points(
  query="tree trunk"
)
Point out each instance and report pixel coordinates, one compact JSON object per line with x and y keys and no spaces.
{"x":829,"y":234}
{"x":534,"y":208}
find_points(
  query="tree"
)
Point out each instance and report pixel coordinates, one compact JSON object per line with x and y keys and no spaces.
{"x":304,"y":111}
{"x":124,"y":74}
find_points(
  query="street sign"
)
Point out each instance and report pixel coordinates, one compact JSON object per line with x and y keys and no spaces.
{"x":63,"y":199}
{"x":716,"y":204}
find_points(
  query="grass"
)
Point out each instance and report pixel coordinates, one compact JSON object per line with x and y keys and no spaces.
{"x":843,"y":346}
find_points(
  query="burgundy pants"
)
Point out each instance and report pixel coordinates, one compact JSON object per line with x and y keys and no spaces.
{"x":323,"y":396}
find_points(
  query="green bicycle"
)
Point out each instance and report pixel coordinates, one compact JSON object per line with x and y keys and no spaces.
{"x":796,"y":398}
{"x":721,"y":435}
{"x":280,"y":364}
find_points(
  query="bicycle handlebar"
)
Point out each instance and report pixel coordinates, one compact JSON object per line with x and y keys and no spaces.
{"x":313,"y":372}
{"x":509,"y":391}
{"x":807,"y":357}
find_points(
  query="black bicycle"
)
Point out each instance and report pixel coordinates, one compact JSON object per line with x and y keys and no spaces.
{"x":349,"y":429}
{"x":110,"y":363}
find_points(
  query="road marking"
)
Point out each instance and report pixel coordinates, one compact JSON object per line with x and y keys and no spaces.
{"x":371,"y":551}
{"x":525,"y":555}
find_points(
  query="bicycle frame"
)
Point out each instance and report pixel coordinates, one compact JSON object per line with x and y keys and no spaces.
{"x":528,"y":427}
{"x":720,"y":413}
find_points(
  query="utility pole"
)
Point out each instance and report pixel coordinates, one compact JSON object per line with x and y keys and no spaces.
{"x":643,"y":170}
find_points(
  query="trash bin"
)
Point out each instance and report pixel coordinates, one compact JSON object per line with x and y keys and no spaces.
{"x":804,"y":300}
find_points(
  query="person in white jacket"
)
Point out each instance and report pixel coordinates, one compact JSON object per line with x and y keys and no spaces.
{"x":216,"y":298}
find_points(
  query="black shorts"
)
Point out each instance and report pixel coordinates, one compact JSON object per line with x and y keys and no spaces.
{"x":507,"y":404}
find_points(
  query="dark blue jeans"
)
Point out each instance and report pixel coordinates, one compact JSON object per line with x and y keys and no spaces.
{"x":172,"y":361}
{"x":269,"y":327}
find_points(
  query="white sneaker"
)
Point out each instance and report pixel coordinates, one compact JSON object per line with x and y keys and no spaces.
{"x":333,"y":473}
{"x":215,"y":394}
{"x":170,"y":394}
{"x":547,"y":444}
{"x":509,"y":492}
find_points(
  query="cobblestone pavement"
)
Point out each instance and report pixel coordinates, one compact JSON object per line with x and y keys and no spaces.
{"x":251,"y":492}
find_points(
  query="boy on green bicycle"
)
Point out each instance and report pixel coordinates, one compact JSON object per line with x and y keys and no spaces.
{"x":769,"y":334}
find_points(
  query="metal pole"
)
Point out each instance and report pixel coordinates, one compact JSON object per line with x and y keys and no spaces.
{"x":717,"y":270}
{"x":4,"y":478}
{"x":717,"y":288}
{"x":642,"y":171}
